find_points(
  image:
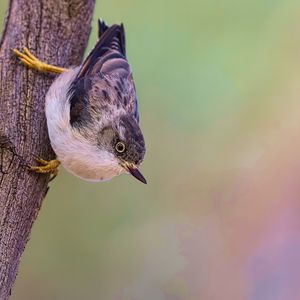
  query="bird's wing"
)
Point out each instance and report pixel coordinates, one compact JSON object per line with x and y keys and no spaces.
{"x":106,"y":68}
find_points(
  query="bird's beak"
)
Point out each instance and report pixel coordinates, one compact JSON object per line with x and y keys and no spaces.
{"x":134,"y":171}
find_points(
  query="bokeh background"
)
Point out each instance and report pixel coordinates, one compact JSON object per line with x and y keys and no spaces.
{"x":219,"y":90}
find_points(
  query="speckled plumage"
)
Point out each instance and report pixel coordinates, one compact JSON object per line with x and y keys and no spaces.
{"x":91,"y":108}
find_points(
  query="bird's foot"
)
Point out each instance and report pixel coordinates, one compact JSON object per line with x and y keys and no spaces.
{"x":28,"y":59}
{"x":46,"y":167}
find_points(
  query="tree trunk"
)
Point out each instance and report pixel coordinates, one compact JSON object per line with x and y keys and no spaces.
{"x":56,"y":31}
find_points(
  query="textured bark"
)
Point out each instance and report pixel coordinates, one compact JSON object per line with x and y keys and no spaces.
{"x":56,"y":31}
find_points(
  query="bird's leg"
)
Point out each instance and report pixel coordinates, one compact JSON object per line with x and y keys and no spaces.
{"x":46,"y":167}
{"x":31,"y":61}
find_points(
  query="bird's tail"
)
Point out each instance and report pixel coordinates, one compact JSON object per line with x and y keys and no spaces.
{"x":112,"y":36}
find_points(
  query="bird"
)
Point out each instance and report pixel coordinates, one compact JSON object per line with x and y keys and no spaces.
{"x":92,"y":112}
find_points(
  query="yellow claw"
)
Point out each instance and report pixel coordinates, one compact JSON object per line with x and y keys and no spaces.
{"x":28,"y":59}
{"x":46,"y":167}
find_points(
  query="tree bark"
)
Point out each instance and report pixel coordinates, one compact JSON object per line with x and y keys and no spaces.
{"x":56,"y":31}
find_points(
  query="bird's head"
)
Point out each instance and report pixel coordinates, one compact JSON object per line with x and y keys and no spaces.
{"x":123,"y":139}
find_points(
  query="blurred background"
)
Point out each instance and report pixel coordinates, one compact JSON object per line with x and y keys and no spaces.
{"x":218,"y":84}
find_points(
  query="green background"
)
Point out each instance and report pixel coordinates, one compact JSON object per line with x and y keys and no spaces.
{"x":215,"y":80}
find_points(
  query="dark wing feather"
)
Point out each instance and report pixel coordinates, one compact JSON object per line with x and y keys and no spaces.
{"x":101,"y":27}
{"x":110,"y":39}
{"x":107,"y":60}
{"x":79,"y":114}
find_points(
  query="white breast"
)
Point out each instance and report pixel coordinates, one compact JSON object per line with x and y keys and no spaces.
{"x":73,"y":151}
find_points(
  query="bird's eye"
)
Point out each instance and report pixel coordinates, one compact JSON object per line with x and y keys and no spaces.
{"x":120,"y":147}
